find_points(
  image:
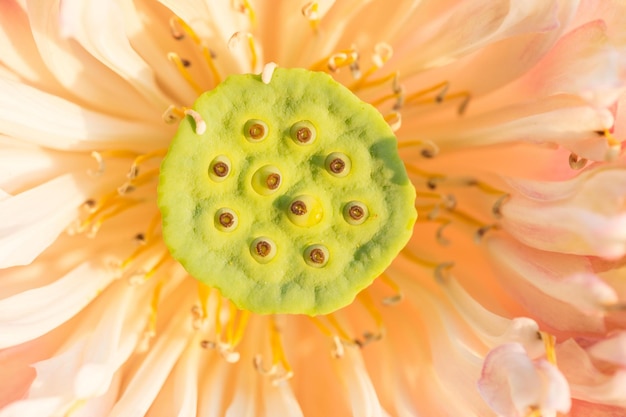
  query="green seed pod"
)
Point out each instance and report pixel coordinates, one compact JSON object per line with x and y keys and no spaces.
{"x":292,"y":200}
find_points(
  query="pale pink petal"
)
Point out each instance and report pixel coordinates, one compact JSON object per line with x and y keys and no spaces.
{"x":581,"y":216}
{"x":35,"y":218}
{"x":53,"y":122}
{"x":280,"y":400}
{"x":561,"y":289}
{"x":587,"y":382}
{"x":513,"y":385}
{"x":24,"y":319}
{"x":612,"y":350}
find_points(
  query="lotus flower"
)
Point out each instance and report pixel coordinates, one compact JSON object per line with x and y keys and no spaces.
{"x":507,"y":300}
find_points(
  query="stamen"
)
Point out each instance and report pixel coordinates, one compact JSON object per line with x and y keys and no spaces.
{"x":395,"y":120}
{"x":173,"y":114}
{"x":365,"y":298}
{"x":134,"y":168}
{"x":235,"y":40}
{"x":382,"y":53}
{"x":268,"y":71}
{"x":429,"y":149}
{"x":159,"y":263}
{"x":101,"y":167}
{"x":116,"y":207}
{"x":243,"y":6}
{"x":138,"y":181}
{"x":397,"y":297}
{"x":182,"y":69}
{"x":549,"y":342}
{"x":311,"y":12}
{"x":416,"y":99}
{"x":576,"y":162}
{"x":497,"y":206}
{"x":197,"y":118}
{"x":336,"y":61}
{"x":174,"y":28}
{"x":154,"y":307}
{"x":206,"y":52}
{"x":278,"y":357}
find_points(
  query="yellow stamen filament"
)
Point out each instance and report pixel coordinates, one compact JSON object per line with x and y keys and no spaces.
{"x":549,"y":342}
{"x":154,"y":307}
{"x":143,"y":158}
{"x":105,"y":212}
{"x":165,"y":256}
{"x":278,"y":352}
{"x":343,"y":334}
{"x":419,"y":261}
{"x":218,"y":319}
{"x":173,"y":114}
{"x":206,"y":53}
{"x":204,"y":292}
{"x":394,"y":119}
{"x":240,"y":328}
{"x":610,"y":139}
{"x":180,"y":66}
{"x":397,"y":297}
{"x":441,"y":88}
{"x":311,"y":12}
{"x":334,"y":62}
{"x":244,"y":7}
{"x":363,"y":82}
{"x":365,"y":298}
{"x":100,"y":157}
{"x":236,"y":38}
{"x":139,"y":250}
{"x":154,"y":223}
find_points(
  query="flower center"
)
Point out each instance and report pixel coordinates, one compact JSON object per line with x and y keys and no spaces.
{"x":285,"y":192}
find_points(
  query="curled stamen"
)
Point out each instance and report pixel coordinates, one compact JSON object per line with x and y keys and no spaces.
{"x":482,"y":231}
{"x":174,"y":29}
{"x":268,"y":71}
{"x":182,"y":69}
{"x":441,"y":271}
{"x":394,"y":119}
{"x":173,"y":114}
{"x":101,"y":165}
{"x":236,"y":39}
{"x":382,"y":53}
{"x":338,"y":349}
{"x":576,"y":162}
{"x":497,"y":206}
{"x":441,"y":239}
{"x":311,"y":12}
{"x":257,"y":361}
{"x":197,"y":118}
{"x":429,"y":149}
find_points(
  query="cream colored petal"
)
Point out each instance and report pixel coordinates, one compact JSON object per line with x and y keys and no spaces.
{"x":358,"y":384}
{"x":42,"y":407}
{"x":98,"y":28}
{"x":53,"y":122}
{"x":85,"y":78}
{"x":32,"y":313}
{"x":35,"y":218}
{"x":144,"y":386}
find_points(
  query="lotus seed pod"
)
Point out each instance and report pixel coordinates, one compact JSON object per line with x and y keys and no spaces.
{"x":292,"y":200}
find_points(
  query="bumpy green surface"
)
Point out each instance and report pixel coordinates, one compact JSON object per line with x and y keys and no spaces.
{"x":189,"y":197}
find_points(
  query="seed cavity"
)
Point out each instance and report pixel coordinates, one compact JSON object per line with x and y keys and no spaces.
{"x":255,"y":130}
{"x":263,"y":249}
{"x":267,"y":180}
{"x":303,"y":132}
{"x":226,"y":220}
{"x":338,"y":164}
{"x":316,"y":256}
{"x":355,"y":212}
{"x":305,"y":211}
{"x":220,"y":168}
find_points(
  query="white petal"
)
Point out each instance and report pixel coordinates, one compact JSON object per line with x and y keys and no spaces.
{"x":85,"y":78}
{"x":32,"y":313}
{"x":361,"y":392}
{"x":97,"y":26}
{"x":35,"y":218}
{"x":42,"y":407}
{"x":146,"y":383}
{"x":47,"y":120}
